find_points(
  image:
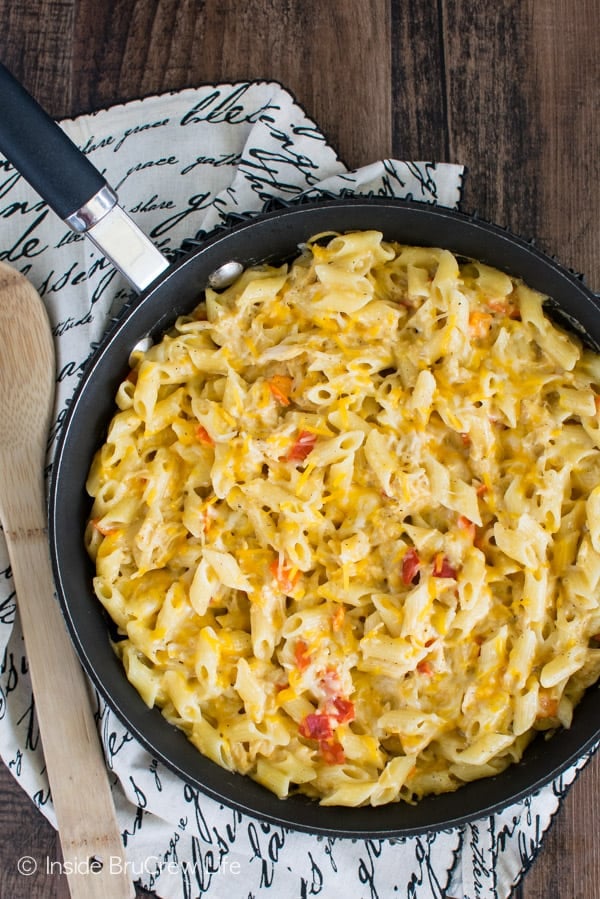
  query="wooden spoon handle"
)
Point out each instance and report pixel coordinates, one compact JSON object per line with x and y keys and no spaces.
{"x":88,"y":828}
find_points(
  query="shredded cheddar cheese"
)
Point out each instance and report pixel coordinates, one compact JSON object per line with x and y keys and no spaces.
{"x":347,"y":521}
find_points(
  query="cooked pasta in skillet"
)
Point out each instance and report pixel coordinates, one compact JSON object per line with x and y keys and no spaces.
{"x":347,"y":522}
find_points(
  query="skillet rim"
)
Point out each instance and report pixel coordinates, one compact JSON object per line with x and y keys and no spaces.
{"x":470,"y":802}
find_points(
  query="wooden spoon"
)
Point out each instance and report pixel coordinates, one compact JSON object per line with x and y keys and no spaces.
{"x":93,"y":856}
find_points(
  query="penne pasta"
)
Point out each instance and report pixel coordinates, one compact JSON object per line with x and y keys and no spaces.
{"x":346,"y":520}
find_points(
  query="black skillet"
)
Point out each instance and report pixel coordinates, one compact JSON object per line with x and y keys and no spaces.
{"x":67,"y":181}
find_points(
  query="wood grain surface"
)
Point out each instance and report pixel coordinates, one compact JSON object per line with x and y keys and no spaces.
{"x":511,"y":89}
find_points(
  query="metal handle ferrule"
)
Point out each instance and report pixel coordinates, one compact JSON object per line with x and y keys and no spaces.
{"x":93,"y":211}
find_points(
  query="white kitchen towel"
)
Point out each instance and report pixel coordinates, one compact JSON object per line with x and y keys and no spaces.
{"x":183,"y":164}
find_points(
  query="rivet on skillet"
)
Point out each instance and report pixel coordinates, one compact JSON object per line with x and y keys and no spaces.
{"x":225,"y":274}
{"x":142,"y":346}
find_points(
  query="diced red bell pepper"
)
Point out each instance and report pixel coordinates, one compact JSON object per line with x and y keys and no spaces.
{"x":344,"y":710}
{"x":332,"y":752}
{"x":465,"y":524}
{"x":443,"y":568}
{"x":411,"y":565}
{"x":302,"y":447}
{"x":203,"y":436}
{"x":301,"y":655}
{"x":316,"y":726}
{"x":285,"y":575}
{"x":424,"y":667}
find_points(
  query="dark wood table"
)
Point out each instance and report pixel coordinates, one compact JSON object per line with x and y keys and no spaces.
{"x":511,"y":89}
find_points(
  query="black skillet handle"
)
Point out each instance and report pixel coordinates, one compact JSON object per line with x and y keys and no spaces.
{"x":63,"y":176}
{"x":38,"y":148}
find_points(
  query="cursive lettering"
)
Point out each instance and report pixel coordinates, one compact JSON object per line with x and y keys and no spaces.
{"x":75,"y":275}
{"x":24,"y":248}
{"x":62,"y":327}
{"x":216,"y":161}
{"x":315,"y":885}
{"x":267,"y":854}
{"x":7,"y":185}
{"x":137,"y":825}
{"x":11,"y":671}
{"x":16,"y":763}
{"x":93,"y":144}
{"x":169,"y":859}
{"x":148,"y":164}
{"x":195,"y":203}
{"x":139,"y":795}
{"x":68,"y":238}
{"x":219,"y":107}
{"x":152,"y":205}
{"x":139,"y":129}
{"x":8,"y":603}
{"x":32,"y":734}
{"x":154,"y":771}
{"x":192,"y":796}
{"x":113,"y":740}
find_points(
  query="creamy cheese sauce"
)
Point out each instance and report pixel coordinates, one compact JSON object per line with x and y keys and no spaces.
{"x":347,"y":521}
